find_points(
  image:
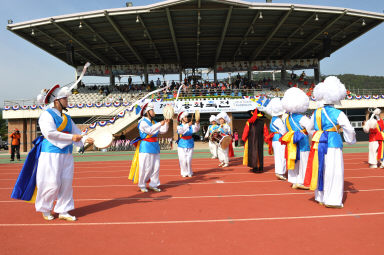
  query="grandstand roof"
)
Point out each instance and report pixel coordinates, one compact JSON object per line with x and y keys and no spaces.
{"x":197,"y":33}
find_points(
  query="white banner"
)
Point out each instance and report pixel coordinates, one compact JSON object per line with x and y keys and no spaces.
{"x":209,"y":106}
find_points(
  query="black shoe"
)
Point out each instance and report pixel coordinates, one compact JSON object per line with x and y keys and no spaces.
{"x":12,"y":160}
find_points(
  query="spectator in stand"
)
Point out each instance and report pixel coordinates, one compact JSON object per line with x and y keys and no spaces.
{"x":158,"y":83}
{"x":129,"y":80}
{"x":15,"y":144}
{"x":302,"y":76}
{"x":293,"y":76}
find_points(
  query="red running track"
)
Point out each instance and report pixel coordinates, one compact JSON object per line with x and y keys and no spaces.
{"x":226,"y":211}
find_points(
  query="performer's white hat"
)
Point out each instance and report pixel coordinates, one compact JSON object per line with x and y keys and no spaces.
{"x":56,"y":92}
{"x":181,"y":116}
{"x":223,"y":115}
{"x":146,"y":107}
{"x":295,"y":100}
{"x":275,"y":107}
{"x":212,"y":118}
{"x":331,"y":91}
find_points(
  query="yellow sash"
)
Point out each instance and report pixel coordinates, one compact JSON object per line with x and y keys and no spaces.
{"x":135,"y":169}
{"x":60,"y":128}
{"x":291,"y":147}
{"x":245,"y":156}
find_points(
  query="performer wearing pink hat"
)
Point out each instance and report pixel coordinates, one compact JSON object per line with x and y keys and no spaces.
{"x":186,"y":144}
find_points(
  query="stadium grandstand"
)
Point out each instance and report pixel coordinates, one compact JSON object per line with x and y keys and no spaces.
{"x":184,"y":37}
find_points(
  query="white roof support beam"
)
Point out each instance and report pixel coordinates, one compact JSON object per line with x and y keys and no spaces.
{"x":223,"y":33}
{"x":244,"y":39}
{"x":58,"y":42}
{"x":173,"y":34}
{"x":103,"y":40}
{"x":80,"y":42}
{"x":124,"y":38}
{"x":282,"y":19}
{"x":312,"y":37}
{"x":293,"y":33}
{"x":146,"y":31}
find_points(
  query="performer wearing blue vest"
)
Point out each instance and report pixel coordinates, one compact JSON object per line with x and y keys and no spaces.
{"x":224,"y":129}
{"x":211,"y":129}
{"x":149,"y":151}
{"x":325,"y":171}
{"x":295,"y":101}
{"x":277,"y":126}
{"x":55,"y":164}
{"x":186,"y":144}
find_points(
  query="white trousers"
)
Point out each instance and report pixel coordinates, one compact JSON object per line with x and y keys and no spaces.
{"x":213,"y":148}
{"x":278,"y":153}
{"x":333,"y":179}
{"x":297,"y":175}
{"x":54,"y":182}
{"x":185,"y":160}
{"x":223,"y":155}
{"x":372,"y":154}
{"x":149,"y":168}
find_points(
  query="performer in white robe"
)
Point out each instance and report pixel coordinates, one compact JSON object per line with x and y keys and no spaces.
{"x":149,"y":149}
{"x":277,"y":126}
{"x":298,"y":126}
{"x":326,"y":175}
{"x":223,"y":129}
{"x":375,"y":127}
{"x":186,"y":144}
{"x":55,"y":168}
{"x":211,"y":129}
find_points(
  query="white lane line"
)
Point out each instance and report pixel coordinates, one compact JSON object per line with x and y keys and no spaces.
{"x":182,"y":183}
{"x":165,"y":197}
{"x":229,"y":220}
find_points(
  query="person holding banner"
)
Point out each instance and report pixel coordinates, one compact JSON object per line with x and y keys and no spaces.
{"x":186,"y":144}
{"x":325,"y":170}
{"x":53,"y":156}
{"x":211,"y":129}
{"x":146,"y":161}
{"x":375,"y":127}
{"x":225,"y":130}
{"x":295,"y":102}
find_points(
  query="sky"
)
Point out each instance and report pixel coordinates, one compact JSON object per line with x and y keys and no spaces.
{"x":26,"y":69}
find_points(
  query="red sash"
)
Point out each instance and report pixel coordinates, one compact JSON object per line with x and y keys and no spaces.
{"x":186,"y":137}
{"x":150,"y":139}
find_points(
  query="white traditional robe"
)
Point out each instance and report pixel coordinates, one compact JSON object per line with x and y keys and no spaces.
{"x":55,"y":170}
{"x":185,"y":154}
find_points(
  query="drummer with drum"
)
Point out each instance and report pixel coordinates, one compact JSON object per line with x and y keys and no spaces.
{"x":224,"y":136}
{"x":186,"y":143}
{"x":212,"y":135}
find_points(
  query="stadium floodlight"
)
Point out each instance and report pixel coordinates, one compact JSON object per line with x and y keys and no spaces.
{"x":33,"y":32}
{"x":363,"y":23}
{"x":10,"y":21}
{"x":128,"y":4}
{"x":80,"y":25}
{"x":261,"y":15}
{"x":137,"y":19}
{"x":252,"y":30}
{"x":317,"y":17}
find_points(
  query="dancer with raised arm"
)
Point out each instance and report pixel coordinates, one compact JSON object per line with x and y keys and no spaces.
{"x":375,"y":128}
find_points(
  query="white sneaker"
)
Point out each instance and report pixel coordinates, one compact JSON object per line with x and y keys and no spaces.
{"x":225,"y":165}
{"x":48,"y":216}
{"x":373,"y":166}
{"x":67,"y":216}
{"x":183,"y":175}
{"x":154,"y":189}
{"x":189,"y":175}
{"x":144,"y":190}
{"x":381,"y":166}
{"x":213,"y":157}
{"x":221,"y":164}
